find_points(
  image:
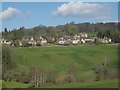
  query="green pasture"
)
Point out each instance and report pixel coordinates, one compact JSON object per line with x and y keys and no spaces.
{"x":98,"y":84}
{"x":13,"y":84}
{"x":59,"y":58}
{"x":113,"y":83}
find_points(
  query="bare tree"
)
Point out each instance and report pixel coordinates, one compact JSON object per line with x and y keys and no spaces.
{"x":38,"y":77}
{"x":101,"y":69}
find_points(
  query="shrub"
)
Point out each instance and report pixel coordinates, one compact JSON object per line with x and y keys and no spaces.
{"x":69,"y":78}
{"x":60,"y":80}
{"x":101,"y":71}
{"x":112,"y":74}
{"x":8,"y":63}
{"x":97,"y":41}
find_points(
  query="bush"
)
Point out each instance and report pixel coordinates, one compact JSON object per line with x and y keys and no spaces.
{"x":97,"y":41}
{"x":8,"y":63}
{"x":69,"y":78}
{"x":25,"y":44}
{"x":60,"y":80}
{"x":101,"y":76}
{"x":52,"y":75}
{"x":101,"y":71}
{"x":112,"y":74}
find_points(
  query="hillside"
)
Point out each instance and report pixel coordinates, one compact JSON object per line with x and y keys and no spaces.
{"x":60,"y":30}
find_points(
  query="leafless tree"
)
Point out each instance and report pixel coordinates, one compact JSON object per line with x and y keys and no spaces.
{"x":38,"y":77}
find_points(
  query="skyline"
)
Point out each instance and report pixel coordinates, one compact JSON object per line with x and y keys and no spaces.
{"x":31,"y":14}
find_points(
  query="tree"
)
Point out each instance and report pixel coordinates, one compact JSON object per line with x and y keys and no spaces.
{"x":72,"y":30}
{"x":97,"y":41}
{"x":108,"y":33}
{"x":38,"y":78}
{"x":101,"y":70}
{"x":99,"y":35}
{"x":109,"y":30}
{"x":52,"y":76}
{"x":72,"y":22}
{"x":71,"y":74}
{"x":8,"y":63}
{"x":5,"y":33}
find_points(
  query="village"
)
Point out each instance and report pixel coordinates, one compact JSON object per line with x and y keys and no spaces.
{"x":81,"y":38}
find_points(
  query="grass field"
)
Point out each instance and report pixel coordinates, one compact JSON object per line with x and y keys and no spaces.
{"x":92,"y":34}
{"x":98,"y":84}
{"x":60,"y":57}
{"x":83,"y":57}
{"x":14,"y":84}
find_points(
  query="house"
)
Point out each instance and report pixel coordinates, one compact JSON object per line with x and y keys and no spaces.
{"x":89,"y":39}
{"x":6,"y":42}
{"x":75,"y":41}
{"x":31,"y":39}
{"x":1,"y":41}
{"x":109,"y":40}
{"x":32,"y":42}
{"x":42,"y":40}
{"x":61,"y":41}
{"x":76,"y":36}
{"x":82,"y":40}
{"x":65,"y":40}
{"x":83,"y":35}
{"x":51,"y":39}
{"x":105,"y":40}
{"x":20,"y":44}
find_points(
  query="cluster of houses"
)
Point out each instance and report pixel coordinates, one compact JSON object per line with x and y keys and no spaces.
{"x":30,"y":41}
{"x":33,"y":41}
{"x":81,"y":38}
{"x":76,"y":39}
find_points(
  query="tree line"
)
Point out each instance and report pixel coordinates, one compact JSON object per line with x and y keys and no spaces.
{"x":101,"y":29}
{"x":115,"y":36}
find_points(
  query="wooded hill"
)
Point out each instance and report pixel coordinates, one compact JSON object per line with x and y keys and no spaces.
{"x":60,"y":30}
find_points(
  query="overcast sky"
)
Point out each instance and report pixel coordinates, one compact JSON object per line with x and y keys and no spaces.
{"x":31,"y":14}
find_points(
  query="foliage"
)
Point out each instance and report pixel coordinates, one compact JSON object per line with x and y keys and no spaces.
{"x":97,"y":41}
{"x":103,"y":72}
{"x":71,"y":74}
{"x":70,"y":78}
{"x":114,"y":35}
{"x":72,"y":30}
{"x":38,"y":78}
{"x":26,"y":44}
{"x":8,"y":63}
{"x":108,"y":29}
{"x":60,"y":80}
